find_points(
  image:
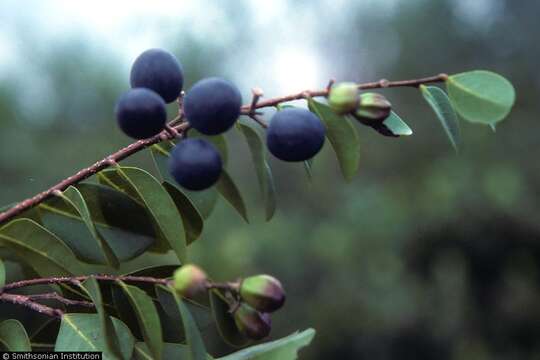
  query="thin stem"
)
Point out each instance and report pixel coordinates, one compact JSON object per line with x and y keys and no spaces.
{"x":29,"y":301}
{"x":61,"y":299}
{"x":78,"y":279}
{"x":26,"y":301}
{"x":182,"y":127}
{"x":86,"y":173}
{"x":258,"y":120}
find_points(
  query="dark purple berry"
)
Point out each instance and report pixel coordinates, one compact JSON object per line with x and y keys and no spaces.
{"x":295,"y":135}
{"x":160,"y":71}
{"x":212,"y":105}
{"x":141,"y":113}
{"x":195,"y":164}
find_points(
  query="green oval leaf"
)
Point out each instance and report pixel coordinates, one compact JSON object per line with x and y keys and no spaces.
{"x":308,"y":165}
{"x":127,"y":236}
{"x":283,"y":349}
{"x":204,"y":201}
{"x":147,"y":189}
{"x":343,"y":137}
{"x":192,"y":219}
{"x":40,"y":249}
{"x":481,"y":96}
{"x":2,"y":273}
{"x":13,"y":336}
{"x":262,"y":169}
{"x":394,"y":126}
{"x":194,"y":339}
{"x":81,"y":332}
{"x":170,"y":351}
{"x":73,"y":197}
{"x":200,"y":313}
{"x":147,"y":317}
{"x":112,"y":343}
{"x":440,"y":103}
{"x":230,"y":192}
{"x":225,"y":321}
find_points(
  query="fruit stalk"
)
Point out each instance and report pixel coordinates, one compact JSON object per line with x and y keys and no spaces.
{"x":181,"y":128}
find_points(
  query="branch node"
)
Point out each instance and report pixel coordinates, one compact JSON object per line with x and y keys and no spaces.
{"x":331,"y":83}
{"x":172,"y":132}
{"x":384,"y":83}
{"x":259,"y":120}
{"x":111,"y":161}
{"x":57,"y":192}
{"x":257,"y":94}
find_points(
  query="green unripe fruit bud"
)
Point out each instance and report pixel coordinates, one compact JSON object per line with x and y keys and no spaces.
{"x":262,"y":292}
{"x":373,"y":109}
{"x":343,"y":97}
{"x":189,"y":280}
{"x":252,"y":323}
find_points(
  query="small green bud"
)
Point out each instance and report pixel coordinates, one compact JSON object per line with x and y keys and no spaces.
{"x":250,"y":322}
{"x":343,"y":97}
{"x":189,"y":280}
{"x":373,"y":109}
{"x":263,"y":292}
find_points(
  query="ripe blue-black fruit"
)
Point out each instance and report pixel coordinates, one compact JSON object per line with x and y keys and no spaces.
{"x":295,"y":135}
{"x":212,"y":105}
{"x":160,"y":71}
{"x":195,"y":164}
{"x":141,"y":113}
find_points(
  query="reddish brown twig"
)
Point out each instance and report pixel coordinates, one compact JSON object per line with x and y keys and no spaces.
{"x":182,"y":127}
{"x":76,"y":280}
{"x":61,"y":299}
{"x":29,"y":301}
{"x":26,"y":301}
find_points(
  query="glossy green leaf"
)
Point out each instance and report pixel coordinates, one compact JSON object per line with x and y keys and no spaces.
{"x":343,"y":137}
{"x":439,"y":102}
{"x":149,"y":260}
{"x":205,"y":201}
{"x":230,"y":192}
{"x":193,"y":336}
{"x":200,"y":313}
{"x":308,"y":165}
{"x":148,"y":190}
{"x":127,"y":236}
{"x":111,"y":343}
{"x":191,"y":218}
{"x":283,"y":349}
{"x":2,"y":273}
{"x":194,"y":339}
{"x":81,"y":332}
{"x":13,"y":336}
{"x":225,"y":321}
{"x":170,"y":351}
{"x":147,"y":316}
{"x":395,"y":126}
{"x":481,"y":96}
{"x":262,"y":169}
{"x":124,"y":310}
{"x":39,"y":248}
{"x":73,"y":197}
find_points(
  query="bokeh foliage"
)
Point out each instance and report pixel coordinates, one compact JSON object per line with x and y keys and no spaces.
{"x":424,"y":255}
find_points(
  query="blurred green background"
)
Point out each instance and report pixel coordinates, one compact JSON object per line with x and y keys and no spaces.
{"x":425,"y":255}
